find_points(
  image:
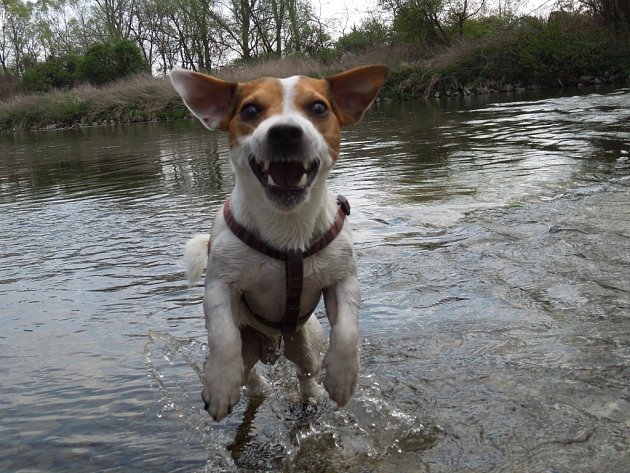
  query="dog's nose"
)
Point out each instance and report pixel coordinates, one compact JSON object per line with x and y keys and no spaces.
{"x":284,"y":136}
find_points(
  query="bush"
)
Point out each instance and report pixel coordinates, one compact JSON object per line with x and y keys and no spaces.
{"x":370,"y":34}
{"x":54,"y":73}
{"x":480,"y":28}
{"x":106,"y":62}
{"x":543,"y":53}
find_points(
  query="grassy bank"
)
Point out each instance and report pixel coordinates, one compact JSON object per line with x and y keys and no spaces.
{"x":536,"y":55}
{"x":136,"y":99}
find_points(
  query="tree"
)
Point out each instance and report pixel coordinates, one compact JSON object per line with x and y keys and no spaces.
{"x":15,"y":35}
{"x":114,"y":18}
{"x":614,"y":12}
{"x":106,"y":62}
{"x":371,"y":33}
{"x":196,"y":34}
{"x":459,"y":11}
{"x":418,"y":20}
{"x":54,"y":73}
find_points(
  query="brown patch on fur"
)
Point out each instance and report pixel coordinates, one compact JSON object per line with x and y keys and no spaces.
{"x":307,"y":92}
{"x":266,"y":94}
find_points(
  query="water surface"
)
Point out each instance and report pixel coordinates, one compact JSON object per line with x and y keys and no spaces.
{"x":494,"y":260}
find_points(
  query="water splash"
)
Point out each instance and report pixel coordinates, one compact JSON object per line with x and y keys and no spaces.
{"x":171,"y":364}
{"x":280,"y":432}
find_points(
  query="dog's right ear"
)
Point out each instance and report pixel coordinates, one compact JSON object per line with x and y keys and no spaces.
{"x":209,"y":99}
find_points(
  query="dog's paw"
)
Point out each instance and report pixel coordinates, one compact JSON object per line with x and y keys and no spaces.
{"x":310,"y":390}
{"x":342,"y":370}
{"x":256,"y":385}
{"x":221,"y":388}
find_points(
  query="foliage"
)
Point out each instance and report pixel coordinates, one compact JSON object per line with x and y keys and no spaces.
{"x":137,"y":98}
{"x":545,"y":52}
{"x":62,"y":109}
{"x":613,"y":12}
{"x":370,"y":34}
{"x":432,"y":45}
{"x":54,"y":73}
{"x":419,"y":21}
{"x":485,"y":27}
{"x":195,"y":34}
{"x":537,"y":52}
{"x":432,"y":21}
{"x":105,"y":62}
{"x":7,"y":86}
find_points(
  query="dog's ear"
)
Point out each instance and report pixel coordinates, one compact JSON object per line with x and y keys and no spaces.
{"x":353,"y":91}
{"x":209,"y":99}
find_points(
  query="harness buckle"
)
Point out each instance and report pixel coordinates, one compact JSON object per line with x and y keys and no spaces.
{"x":344,"y":204}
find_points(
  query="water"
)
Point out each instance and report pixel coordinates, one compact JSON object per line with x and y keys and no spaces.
{"x":494,"y":259}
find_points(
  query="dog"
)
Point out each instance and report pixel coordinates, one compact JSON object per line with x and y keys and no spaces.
{"x":279,"y":242}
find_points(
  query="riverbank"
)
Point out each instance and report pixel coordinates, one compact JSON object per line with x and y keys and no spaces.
{"x":554,"y":58}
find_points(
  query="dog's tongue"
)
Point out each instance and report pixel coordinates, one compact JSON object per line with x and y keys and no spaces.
{"x":286,"y":174}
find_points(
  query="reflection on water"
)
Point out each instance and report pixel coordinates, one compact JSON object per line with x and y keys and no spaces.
{"x":494,"y":247}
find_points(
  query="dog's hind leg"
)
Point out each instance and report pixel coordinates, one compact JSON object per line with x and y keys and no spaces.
{"x":251,"y":348}
{"x":305,"y":349}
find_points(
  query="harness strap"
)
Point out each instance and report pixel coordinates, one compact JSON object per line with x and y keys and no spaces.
{"x":294,"y":277}
{"x":293,"y":263}
{"x":251,"y":240}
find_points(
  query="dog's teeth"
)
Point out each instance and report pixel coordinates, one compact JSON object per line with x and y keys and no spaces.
{"x":266,"y":165}
{"x":306,"y":165}
{"x":302,"y":182}
{"x":270,"y":180}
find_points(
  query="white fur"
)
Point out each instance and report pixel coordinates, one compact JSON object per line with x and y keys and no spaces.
{"x":287,"y":231}
{"x":288,"y":87}
{"x":235,"y":269}
{"x":195,"y":256}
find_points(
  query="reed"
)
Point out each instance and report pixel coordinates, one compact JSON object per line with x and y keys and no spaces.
{"x":135,"y":99}
{"x":521,"y":56}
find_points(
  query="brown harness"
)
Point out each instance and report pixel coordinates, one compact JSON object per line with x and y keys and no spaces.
{"x":293,"y":264}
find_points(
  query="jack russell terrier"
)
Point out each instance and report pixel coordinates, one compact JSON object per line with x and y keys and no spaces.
{"x":279,"y":242}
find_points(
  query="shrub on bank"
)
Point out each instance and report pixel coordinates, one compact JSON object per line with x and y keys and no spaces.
{"x":106,"y":62}
{"x":491,"y":55}
{"x":52,"y":74}
{"x":530,"y":53}
{"x":137,"y":98}
{"x":102,"y":63}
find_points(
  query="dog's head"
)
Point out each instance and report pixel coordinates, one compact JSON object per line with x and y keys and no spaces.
{"x":283,"y":133}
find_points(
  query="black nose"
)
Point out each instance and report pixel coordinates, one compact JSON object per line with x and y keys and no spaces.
{"x":285,"y":137}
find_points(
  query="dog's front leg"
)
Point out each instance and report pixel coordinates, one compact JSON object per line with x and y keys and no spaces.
{"x":224,"y":370}
{"x":342,"y":360}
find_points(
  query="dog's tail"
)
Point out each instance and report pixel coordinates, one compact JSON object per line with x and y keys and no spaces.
{"x":195,"y":256}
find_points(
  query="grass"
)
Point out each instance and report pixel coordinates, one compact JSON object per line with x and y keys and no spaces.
{"x":535,"y":54}
{"x":140,"y":98}
{"x":135,"y":99}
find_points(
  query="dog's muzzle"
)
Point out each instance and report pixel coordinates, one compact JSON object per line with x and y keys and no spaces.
{"x":285,"y":169}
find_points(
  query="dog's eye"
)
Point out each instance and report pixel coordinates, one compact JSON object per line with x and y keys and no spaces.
{"x":319,"y":109}
{"x":250,"y":111}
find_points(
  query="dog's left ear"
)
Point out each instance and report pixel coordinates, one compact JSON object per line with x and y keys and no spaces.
{"x":354,"y":91}
{"x":210,"y":99}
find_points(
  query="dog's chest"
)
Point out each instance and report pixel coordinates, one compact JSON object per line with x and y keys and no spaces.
{"x":261,"y":279}
{"x":265,"y":287}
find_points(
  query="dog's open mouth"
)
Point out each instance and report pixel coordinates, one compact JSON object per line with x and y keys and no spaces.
{"x":285,"y":182}
{"x":284,"y":175}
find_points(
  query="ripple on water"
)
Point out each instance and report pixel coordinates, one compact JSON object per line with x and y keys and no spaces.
{"x":280,"y":431}
{"x":493,"y":253}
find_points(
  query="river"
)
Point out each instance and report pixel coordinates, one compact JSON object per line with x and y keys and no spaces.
{"x":493,"y":242}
